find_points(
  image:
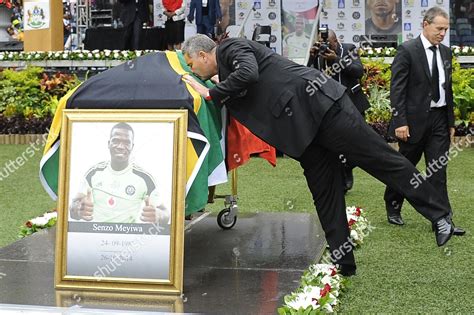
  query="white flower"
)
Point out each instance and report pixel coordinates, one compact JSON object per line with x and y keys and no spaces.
{"x":107,"y":52}
{"x":457,"y":50}
{"x":50,"y":215}
{"x":354,"y":235}
{"x":465,"y":49}
{"x":138,"y":53}
{"x":39,"y":221}
{"x":97,"y":55}
{"x":1,"y":57}
{"x":89,"y":56}
{"x":307,"y":298}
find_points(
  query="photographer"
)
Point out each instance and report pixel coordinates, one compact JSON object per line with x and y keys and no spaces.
{"x":342,"y":63}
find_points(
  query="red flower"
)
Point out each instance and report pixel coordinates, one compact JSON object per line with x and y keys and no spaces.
{"x":357,"y":213}
{"x":351,"y":222}
{"x":325,"y":290}
{"x":333,"y":272}
{"x":28,"y":224}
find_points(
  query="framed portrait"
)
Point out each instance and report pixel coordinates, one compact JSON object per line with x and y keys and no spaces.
{"x":121,"y":201}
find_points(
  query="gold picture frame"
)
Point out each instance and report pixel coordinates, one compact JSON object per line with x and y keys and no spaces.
{"x":121,"y":201}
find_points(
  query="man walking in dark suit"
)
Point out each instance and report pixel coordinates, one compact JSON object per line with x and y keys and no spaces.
{"x":308,"y":116}
{"x":134,"y":14}
{"x":208,"y":12}
{"x":422,"y":102}
{"x":342,"y":63}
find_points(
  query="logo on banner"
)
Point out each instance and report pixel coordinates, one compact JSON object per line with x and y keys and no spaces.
{"x":356,"y":15}
{"x":340,"y":26}
{"x":257,"y":15}
{"x":356,"y":3}
{"x":257,"y":4}
{"x":273,"y":39}
{"x":341,"y":4}
{"x":325,"y":14}
{"x":409,"y":3}
{"x":410,"y":36}
{"x":272,"y":15}
{"x":242,"y":5}
{"x":356,"y":26}
{"x":341,"y":37}
{"x":341,"y":14}
{"x":356,"y":38}
{"x":422,"y":13}
{"x":439,"y":1}
{"x":272,"y":3}
{"x":424,"y":3}
{"x":36,"y":17}
{"x":327,"y":4}
{"x":407,"y":26}
{"x":407,"y":13}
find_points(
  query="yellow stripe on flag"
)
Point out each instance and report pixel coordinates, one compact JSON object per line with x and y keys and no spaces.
{"x":57,"y":121}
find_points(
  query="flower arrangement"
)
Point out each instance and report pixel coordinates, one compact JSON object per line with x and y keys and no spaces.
{"x":73,"y":55}
{"x":318,"y":294}
{"x":391,"y":52}
{"x":463,"y":51}
{"x":321,"y":285}
{"x":359,"y":226}
{"x":44,"y":221}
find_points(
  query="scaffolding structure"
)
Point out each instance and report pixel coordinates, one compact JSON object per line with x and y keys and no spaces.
{"x":83,"y":20}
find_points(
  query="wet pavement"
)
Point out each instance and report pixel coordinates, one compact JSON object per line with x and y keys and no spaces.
{"x":245,"y":270}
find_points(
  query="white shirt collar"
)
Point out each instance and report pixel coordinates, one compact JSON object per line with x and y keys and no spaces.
{"x":426,"y":43}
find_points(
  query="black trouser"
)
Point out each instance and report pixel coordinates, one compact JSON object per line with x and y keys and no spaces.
{"x":132,"y":34}
{"x":434,"y":144}
{"x":344,"y":131}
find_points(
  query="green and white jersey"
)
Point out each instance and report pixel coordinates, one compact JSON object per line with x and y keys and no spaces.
{"x":119,"y":196}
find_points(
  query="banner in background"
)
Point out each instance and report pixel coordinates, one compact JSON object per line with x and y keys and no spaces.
{"x":351,"y":19}
{"x":267,"y":12}
{"x":412,"y":16}
{"x":298,"y":19}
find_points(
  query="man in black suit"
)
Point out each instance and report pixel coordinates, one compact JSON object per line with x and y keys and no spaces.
{"x":309,"y":117}
{"x":134,"y":14}
{"x":422,"y":100}
{"x":342,"y":63}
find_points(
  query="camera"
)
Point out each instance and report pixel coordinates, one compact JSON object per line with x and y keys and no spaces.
{"x":324,"y":45}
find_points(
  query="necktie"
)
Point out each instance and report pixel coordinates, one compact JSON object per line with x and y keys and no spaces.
{"x":434,"y":76}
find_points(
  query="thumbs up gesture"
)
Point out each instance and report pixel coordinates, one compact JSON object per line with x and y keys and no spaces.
{"x":83,"y":206}
{"x":148,"y":212}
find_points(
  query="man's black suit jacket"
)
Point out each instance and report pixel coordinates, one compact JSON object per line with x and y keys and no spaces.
{"x":277,"y":99}
{"x":130,"y":8}
{"x":350,"y":74}
{"x":410,"y":88}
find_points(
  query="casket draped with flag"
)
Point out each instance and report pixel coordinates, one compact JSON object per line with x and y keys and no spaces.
{"x":152,"y":81}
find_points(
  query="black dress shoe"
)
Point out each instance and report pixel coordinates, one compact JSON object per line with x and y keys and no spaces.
{"x":395,"y":219}
{"x":347,"y":270}
{"x":444,"y":229}
{"x":459,"y":231}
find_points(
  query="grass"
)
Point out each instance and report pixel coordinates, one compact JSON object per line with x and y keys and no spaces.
{"x":400,"y":269}
{"x":22,"y":196}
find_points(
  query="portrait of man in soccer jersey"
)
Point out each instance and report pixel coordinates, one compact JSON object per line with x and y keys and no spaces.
{"x":118,"y":190}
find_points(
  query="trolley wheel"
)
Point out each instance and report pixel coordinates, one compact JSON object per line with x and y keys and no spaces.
{"x":225,"y":221}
